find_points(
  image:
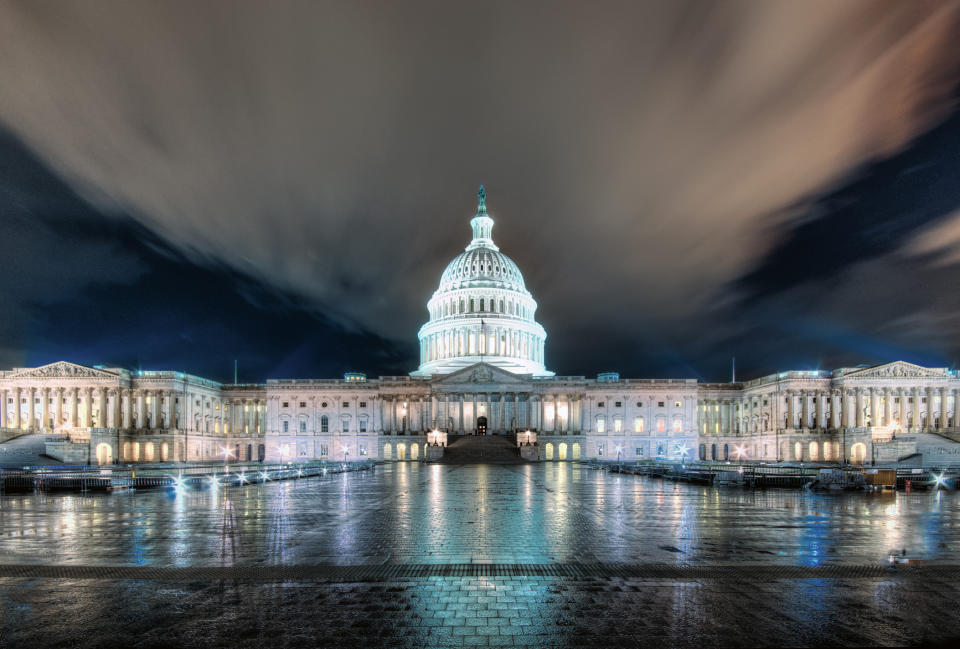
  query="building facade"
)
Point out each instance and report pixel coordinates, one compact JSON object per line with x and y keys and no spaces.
{"x":482,"y":371}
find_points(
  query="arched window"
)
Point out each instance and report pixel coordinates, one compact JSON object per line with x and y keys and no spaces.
{"x":481,"y":304}
{"x":501,"y":306}
{"x":324,"y":424}
{"x":461,"y":306}
{"x":471,"y":305}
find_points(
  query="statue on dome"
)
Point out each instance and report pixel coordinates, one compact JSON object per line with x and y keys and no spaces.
{"x":482,"y":195}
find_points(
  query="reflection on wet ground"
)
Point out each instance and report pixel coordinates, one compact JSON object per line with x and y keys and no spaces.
{"x":408,"y":514}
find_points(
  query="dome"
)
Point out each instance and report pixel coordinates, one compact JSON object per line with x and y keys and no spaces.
{"x":482,"y":311}
{"x":482,"y":266}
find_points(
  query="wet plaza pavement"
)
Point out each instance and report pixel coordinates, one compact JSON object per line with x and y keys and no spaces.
{"x":548,"y":555}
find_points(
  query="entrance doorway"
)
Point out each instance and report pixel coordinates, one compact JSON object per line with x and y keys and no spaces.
{"x":481,"y":425}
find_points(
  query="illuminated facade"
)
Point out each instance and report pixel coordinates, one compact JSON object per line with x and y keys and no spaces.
{"x":482,"y":370}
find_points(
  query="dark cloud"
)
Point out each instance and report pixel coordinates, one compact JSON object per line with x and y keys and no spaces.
{"x":634,"y":155}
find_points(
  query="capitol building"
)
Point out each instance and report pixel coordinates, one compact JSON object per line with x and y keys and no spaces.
{"x":482,"y":370}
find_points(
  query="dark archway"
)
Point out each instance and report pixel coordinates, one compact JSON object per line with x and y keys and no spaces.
{"x":481,"y":425}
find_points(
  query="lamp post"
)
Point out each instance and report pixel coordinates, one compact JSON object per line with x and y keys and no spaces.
{"x":346,"y":449}
{"x":225,"y":452}
{"x":619,"y":450}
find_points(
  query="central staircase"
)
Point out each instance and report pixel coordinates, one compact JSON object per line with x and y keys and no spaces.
{"x":481,"y":449}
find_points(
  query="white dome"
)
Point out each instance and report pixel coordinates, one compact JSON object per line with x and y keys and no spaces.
{"x":482,"y":311}
{"x":482,"y":266}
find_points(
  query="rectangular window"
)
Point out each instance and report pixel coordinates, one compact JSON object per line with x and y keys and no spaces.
{"x":286,"y":426}
{"x":323,"y":449}
{"x":661,"y":450}
{"x":601,"y":425}
{"x":363,"y":425}
{"x":638,"y":425}
{"x":324,"y":424}
{"x":363,"y":404}
{"x":660,"y":404}
{"x":346,"y":426}
{"x":678,"y":404}
{"x":303,"y":404}
{"x":346,"y":404}
{"x":617,"y":425}
{"x":303,"y":426}
{"x":363,"y":449}
{"x":661,"y":426}
{"x":678,"y":425}
{"x":599,"y":449}
{"x":286,"y":404}
{"x":618,"y":404}
{"x":600,"y":404}
{"x":639,"y":452}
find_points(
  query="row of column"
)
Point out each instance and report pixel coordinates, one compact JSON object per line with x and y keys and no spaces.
{"x":102,"y":407}
{"x":503,"y":410}
{"x":861,"y":407}
{"x":718,"y":417}
{"x":465,"y":341}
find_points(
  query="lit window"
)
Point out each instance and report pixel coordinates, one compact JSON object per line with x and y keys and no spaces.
{"x":601,"y":425}
{"x":661,"y":426}
{"x":599,"y":449}
{"x":678,"y":425}
{"x":678,"y":404}
{"x":617,"y":425}
{"x":638,"y":425}
{"x":363,"y":449}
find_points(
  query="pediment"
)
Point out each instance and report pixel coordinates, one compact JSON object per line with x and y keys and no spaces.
{"x":899,"y":369}
{"x":63,"y":369}
{"x":482,"y":373}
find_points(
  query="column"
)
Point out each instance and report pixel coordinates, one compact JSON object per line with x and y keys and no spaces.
{"x":943,"y":409}
{"x":804,"y":410}
{"x":956,"y":409}
{"x":822,"y":421}
{"x":902,"y":408}
{"x":17,"y":421}
{"x":125,"y":409}
{"x":887,"y":407}
{"x":74,"y":420}
{"x":460,"y":414}
{"x":44,"y":408}
{"x":102,"y":408}
{"x":930,"y":410}
{"x":791,"y":409}
{"x":858,"y":407}
{"x":88,"y":409}
{"x":834,"y":422}
{"x":875,"y":412}
{"x":916,"y":409}
{"x":473,"y":415}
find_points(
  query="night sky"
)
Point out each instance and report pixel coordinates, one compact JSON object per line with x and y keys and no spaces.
{"x":184,"y":184}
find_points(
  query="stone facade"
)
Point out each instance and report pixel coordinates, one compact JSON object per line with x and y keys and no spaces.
{"x":481,"y":370}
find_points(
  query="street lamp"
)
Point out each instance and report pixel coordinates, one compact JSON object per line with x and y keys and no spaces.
{"x":225,"y":452}
{"x":346,"y":449}
{"x":619,"y":450}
